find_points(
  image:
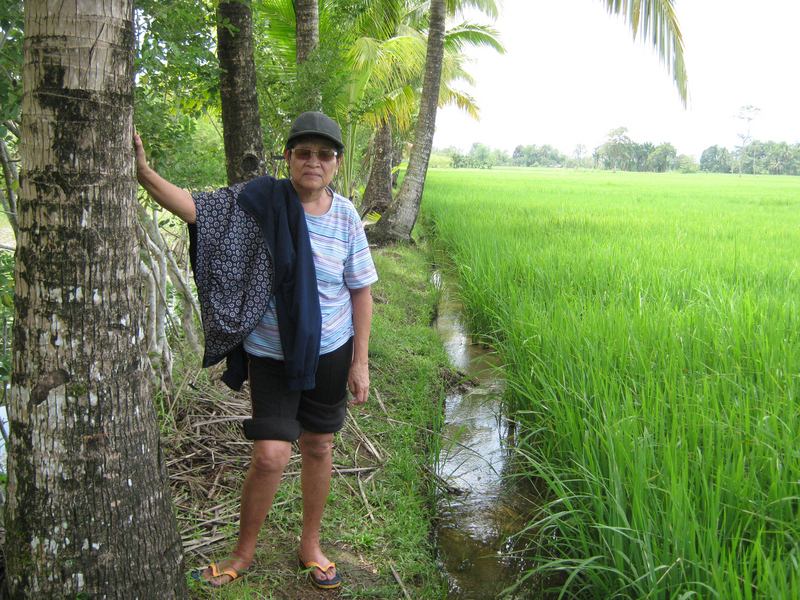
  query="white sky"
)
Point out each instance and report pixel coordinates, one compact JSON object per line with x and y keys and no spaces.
{"x":572,"y":73}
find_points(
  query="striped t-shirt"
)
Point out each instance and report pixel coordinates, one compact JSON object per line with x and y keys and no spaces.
{"x":343,"y":262}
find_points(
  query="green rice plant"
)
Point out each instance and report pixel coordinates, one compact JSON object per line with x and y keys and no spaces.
{"x":650,"y":334}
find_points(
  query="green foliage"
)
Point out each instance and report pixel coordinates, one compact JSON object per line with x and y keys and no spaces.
{"x":10,"y":61}
{"x":177,"y":93}
{"x":6,"y":313}
{"x":187,"y":151}
{"x":649,"y":329}
{"x":537,"y":156}
{"x":284,"y":89}
{"x":176,"y":63}
{"x":686,"y":164}
{"x":716,"y":160}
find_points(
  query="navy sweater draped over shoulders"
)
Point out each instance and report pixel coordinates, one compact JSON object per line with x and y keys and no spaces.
{"x":232,"y":303}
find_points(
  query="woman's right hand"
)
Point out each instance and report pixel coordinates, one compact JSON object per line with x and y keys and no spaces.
{"x":175,"y":199}
{"x":141,"y":157}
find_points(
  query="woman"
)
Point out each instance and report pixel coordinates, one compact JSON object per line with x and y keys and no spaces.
{"x":283,"y":272}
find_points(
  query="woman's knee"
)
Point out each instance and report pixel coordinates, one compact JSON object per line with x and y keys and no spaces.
{"x":270,"y":456}
{"x":315,"y":445}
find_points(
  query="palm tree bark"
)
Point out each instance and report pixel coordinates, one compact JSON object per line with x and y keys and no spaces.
{"x":397,"y":160}
{"x":398,"y":221}
{"x":306,"y":14}
{"x":378,"y":193}
{"x":88,"y":511}
{"x":306,"y":19}
{"x":241,"y":122}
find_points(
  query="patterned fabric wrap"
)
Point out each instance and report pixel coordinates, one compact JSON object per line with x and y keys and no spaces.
{"x":234,"y":271}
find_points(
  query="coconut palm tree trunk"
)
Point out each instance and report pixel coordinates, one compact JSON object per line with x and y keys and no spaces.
{"x":88,"y":511}
{"x":398,"y":221}
{"x":378,"y":193}
{"x":306,"y":14}
{"x":306,"y":17}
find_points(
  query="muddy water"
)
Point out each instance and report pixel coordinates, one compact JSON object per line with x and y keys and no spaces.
{"x":478,"y":519}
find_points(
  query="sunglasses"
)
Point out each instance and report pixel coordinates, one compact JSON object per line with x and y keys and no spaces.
{"x":325,"y":155}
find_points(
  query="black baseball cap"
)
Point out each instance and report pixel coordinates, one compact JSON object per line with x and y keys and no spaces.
{"x":316,"y":123}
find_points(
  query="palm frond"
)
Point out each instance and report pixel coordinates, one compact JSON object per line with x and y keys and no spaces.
{"x":472,"y":34}
{"x":490,"y":8}
{"x":656,"y":21}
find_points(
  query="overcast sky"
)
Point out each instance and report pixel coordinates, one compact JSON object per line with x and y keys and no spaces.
{"x":572,"y":73}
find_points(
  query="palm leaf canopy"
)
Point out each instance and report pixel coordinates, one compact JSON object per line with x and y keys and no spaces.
{"x":656,"y":21}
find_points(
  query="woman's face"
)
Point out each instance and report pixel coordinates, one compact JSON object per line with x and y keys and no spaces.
{"x":312,"y":172}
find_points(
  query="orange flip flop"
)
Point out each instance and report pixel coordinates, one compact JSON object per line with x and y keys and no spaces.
{"x":215,"y":572}
{"x":324,"y":584}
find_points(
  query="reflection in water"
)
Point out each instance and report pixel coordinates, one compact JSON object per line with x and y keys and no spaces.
{"x":475,"y":530}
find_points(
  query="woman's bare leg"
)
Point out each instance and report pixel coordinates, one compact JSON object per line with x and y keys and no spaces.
{"x":315,"y":450}
{"x":268,"y":461}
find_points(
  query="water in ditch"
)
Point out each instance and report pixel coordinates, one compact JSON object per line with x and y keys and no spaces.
{"x":483,"y":510}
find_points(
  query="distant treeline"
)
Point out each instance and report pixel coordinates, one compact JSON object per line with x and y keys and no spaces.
{"x":778,"y":158}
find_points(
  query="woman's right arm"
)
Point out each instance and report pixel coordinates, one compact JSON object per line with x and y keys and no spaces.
{"x":176,"y":200}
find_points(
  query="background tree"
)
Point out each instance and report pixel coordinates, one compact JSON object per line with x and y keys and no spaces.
{"x":398,"y":221}
{"x":617,"y":146}
{"x":686,"y":163}
{"x":385,"y":57}
{"x":746,"y":114}
{"x":306,"y":42}
{"x":307,"y":20}
{"x":640,"y":155}
{"x":715,"y":160}
{"x":661,"y":158}
{"x":652,"y":19}
{"x":387,"y":49}
{"x":479,"y":156}
{"x":241,"y":121}
{"x":378,"y":192}
{"x":578,"y":153}
{"x":88,"y":511}
{"x":10,"y":92}
{"x":780,"y":157}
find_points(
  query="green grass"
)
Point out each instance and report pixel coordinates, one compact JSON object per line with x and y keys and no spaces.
{"x":651,"y":338}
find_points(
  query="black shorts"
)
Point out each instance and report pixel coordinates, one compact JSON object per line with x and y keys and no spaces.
{"x":280,"y":413}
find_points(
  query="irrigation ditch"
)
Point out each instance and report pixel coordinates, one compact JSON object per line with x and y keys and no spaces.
{"x":484,"y":509}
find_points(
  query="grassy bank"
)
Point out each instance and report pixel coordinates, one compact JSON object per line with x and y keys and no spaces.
{"x":651,"y":335}
{"x":377,"y":525}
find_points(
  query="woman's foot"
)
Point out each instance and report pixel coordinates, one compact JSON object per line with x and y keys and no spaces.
{"x":324,"y":573}
{"x":224,"y":572}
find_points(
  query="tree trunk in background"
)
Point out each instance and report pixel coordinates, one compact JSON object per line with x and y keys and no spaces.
{"x":397,"y":160}
{"x":378,"y":193}
{"x":11,"y":177}
{"x":241,"y":122}
{"x":398,"y":222}
{"x":306,"y":17}
{"x":88,"y":513}
{"x":306,"y":14}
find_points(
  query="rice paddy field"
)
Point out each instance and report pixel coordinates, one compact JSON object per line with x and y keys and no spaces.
{"x":650,"y":334}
